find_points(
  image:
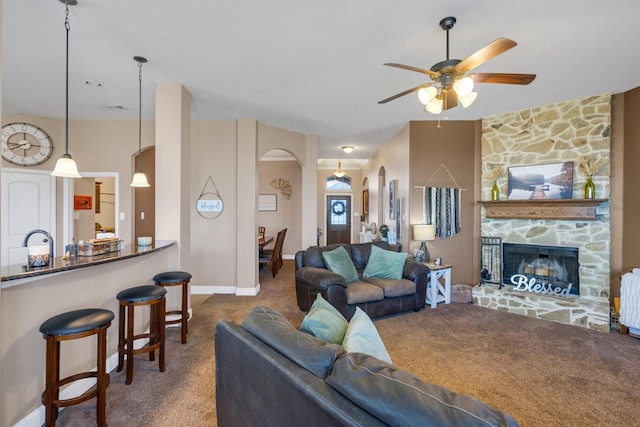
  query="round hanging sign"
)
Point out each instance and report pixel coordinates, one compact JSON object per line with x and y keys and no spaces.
{"x":209,"y":205}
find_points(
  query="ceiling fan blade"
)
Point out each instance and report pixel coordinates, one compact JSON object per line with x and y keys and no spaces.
{"x":491,"y":50}
{"x":406,"y":92}
{"x":512,"y":79}
{"x":433,"y":74}
{"x":450,"y":100}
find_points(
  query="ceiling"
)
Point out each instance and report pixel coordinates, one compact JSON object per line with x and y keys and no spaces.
{"x":310,"y":67}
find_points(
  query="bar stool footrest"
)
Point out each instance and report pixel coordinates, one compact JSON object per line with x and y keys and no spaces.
{"x":87,"y":395}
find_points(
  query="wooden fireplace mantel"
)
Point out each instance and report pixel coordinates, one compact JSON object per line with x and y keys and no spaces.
{"x":568,"y":209}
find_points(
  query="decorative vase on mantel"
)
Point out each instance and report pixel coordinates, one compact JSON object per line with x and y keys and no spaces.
{"x":495,"y":191}
{"x":589,"y":189}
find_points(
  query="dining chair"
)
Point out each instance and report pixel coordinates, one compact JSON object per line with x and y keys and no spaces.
{"x":261,"y":231}
{"x":271,"y":256}
{"x":277,"y":248}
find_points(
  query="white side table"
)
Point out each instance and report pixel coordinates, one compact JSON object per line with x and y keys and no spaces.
{"x":437,"y":290}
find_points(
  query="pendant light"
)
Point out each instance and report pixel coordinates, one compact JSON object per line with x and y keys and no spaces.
{"x":339,"y":173}
{"x":139,"y":178}
{"x":66,"y":166}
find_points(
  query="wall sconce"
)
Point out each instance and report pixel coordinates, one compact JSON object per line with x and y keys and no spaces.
{"x":423,"y":232}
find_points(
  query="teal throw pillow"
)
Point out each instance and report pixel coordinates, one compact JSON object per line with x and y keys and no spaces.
{"x":385,"y":264}
{"x":324,"y":321}
{"x":362,"y":337}
{"x":339,"y":261}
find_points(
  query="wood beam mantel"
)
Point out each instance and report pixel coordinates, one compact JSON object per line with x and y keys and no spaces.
{"x":563,"y":209}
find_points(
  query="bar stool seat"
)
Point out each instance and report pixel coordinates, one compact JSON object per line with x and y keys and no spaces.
{"x":177,"y":278}
{"x":70,"y":326}
{"x":154,"y":297}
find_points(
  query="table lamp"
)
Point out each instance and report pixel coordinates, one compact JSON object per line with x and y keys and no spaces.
{"x":423,"y":232}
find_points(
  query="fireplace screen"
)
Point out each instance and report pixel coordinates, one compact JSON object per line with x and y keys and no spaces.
{"x":541,"y":269}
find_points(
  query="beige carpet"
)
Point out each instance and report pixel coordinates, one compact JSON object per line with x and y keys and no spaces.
{"x":542,"y":373}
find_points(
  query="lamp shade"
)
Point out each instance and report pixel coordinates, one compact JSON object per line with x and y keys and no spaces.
{"x":467,"y":99}
{"x":66,"y":167}
{"x":139,"y":180}
{"x":424,"y":232}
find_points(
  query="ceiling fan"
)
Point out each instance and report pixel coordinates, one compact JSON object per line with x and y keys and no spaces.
{"x":451,"y":83}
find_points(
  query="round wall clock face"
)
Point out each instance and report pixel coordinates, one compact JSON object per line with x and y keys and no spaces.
{"x":25,"y":145}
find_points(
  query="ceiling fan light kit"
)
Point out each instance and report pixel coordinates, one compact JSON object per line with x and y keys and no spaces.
{"x":451,"y":84}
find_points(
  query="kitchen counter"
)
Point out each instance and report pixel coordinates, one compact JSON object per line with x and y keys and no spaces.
{"x":22,"y":271}
{"x":31,"y":296}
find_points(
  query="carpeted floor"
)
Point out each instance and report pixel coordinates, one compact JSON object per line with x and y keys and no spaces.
{"x":542,"y":373}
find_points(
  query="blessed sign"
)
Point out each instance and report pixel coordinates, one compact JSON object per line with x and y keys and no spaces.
{"x":525,"y":283}
{"x":204,"y":205}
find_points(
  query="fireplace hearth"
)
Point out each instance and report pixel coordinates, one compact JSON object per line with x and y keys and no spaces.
{"x":541,"y":269}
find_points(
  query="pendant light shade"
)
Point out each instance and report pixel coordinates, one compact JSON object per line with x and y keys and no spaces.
{"x":339,"y":173}
{"x":139,"y":178}
{"x":65,"y":166}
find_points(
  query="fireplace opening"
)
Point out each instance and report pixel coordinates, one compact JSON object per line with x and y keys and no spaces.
{"x":541,"y":269}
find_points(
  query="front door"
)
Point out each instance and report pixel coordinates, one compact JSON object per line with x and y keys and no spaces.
{"x":338,"y":219}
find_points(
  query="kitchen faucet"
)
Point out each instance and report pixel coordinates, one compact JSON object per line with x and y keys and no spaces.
{"x":48,"y":238}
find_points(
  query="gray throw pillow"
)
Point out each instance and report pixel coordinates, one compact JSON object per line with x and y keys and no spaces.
{"x":324,"y":321}
{"x":385,"y":264}
{"x":339,"y":261}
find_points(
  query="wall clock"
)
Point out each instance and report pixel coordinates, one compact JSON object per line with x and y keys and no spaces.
{"x":24,"y":144}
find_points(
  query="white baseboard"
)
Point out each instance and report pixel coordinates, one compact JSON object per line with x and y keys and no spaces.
{"x":230,"y":290}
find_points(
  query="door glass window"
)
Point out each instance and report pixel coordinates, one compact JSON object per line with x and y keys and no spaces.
{"x":338,"y":212}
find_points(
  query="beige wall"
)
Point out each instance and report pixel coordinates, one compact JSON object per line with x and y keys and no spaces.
{"x":288,"y":214}
{"x":84,"y":220}
{"x":448,"y":156}
{"x":393,"y":157}
{"x":213,"y":241}
{"x":631,"y":186}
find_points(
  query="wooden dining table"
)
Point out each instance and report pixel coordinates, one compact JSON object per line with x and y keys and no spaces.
{"x":264,"y":241}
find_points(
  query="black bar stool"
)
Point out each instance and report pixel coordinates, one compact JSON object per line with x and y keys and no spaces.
{"x":177,"y":278}
{"x":70,"y":326}
{"x":154,"y":297}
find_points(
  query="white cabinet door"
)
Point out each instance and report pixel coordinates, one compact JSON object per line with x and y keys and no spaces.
{"x":28,"y":203}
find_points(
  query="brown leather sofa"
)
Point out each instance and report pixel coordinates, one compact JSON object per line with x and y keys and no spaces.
{"x":313,"y":277}
{"x":270,"y":374}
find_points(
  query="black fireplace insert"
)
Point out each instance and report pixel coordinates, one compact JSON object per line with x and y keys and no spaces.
{"x":541,"y":269}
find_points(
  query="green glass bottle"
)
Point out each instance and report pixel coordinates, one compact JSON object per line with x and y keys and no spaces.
{"x":589,"y":189}
{"x":495,"y":191}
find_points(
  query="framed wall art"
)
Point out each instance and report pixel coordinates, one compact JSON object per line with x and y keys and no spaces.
{"x":365,"y":202}
{"x":545,"y":181}
{"x":82,"y":202}
{"x":392,"y":197}
{"x":267,"y":202}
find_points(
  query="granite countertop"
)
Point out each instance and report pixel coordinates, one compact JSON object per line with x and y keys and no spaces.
{"x":21,"y":271}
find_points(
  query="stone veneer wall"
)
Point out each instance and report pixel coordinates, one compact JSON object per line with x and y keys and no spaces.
{"x":553,"y":133}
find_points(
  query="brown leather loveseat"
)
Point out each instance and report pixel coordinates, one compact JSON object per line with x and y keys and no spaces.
{"x":376,"y":296}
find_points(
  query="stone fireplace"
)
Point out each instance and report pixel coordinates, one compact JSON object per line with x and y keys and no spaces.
{"x":562,"y":132}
